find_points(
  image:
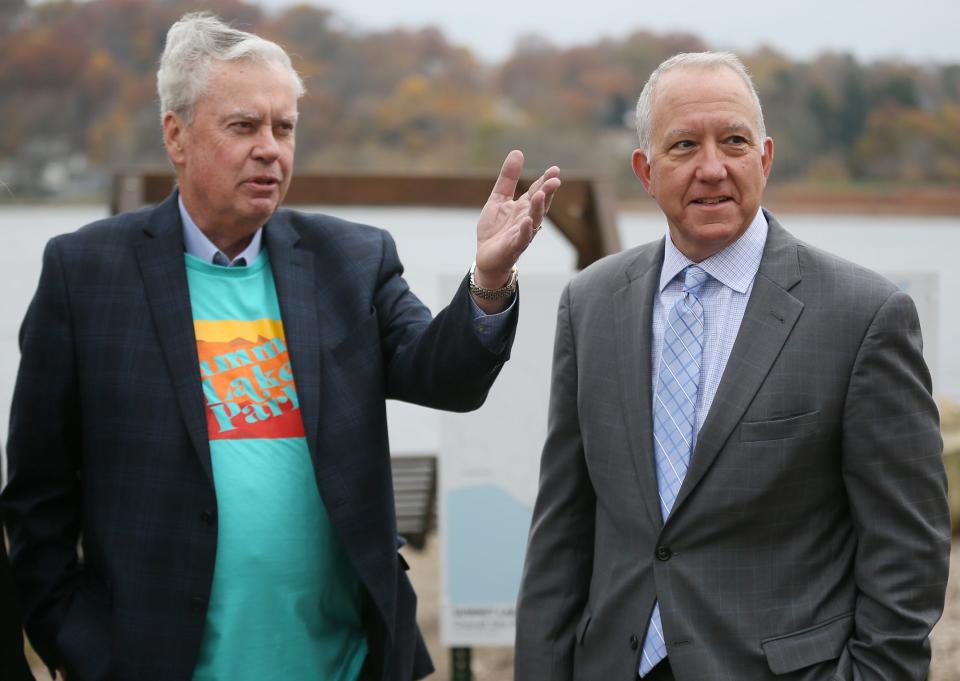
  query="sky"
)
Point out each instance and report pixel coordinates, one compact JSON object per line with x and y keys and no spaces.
{"x":915,"y":30}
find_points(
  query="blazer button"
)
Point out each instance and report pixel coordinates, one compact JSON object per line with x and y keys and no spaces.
{"x":207,"y":517}
{"x":196,"y":604}
{"x":664,"y":553}
{"x":634,"y":642}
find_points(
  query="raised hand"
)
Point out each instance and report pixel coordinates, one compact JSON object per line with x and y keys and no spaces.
{"x":507,"y":225}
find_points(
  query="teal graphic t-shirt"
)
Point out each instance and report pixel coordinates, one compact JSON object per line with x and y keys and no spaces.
{"x":285,"y":602}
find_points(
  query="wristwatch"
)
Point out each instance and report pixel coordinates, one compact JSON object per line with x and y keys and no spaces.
{"x":505,"y":291}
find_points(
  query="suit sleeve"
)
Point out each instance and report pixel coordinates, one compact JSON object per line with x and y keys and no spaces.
{"x":559,"y":562}
{"x":11,"y":639}
{"x":896,"y":485}
{"x":42,"y":500}
{"x":440,"y":362}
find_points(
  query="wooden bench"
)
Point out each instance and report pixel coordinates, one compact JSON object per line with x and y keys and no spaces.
{"x":415,"y":493}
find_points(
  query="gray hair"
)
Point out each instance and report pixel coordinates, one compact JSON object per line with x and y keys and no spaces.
{"x":694,"y":59}
{"x":193,"y":44}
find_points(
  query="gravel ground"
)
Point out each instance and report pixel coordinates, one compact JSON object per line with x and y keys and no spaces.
{"x":946,"y":635}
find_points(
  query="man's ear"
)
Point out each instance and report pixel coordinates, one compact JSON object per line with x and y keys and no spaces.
{"x":641,"y":168}
{"x":767,"y":159}
{"x":174,"y":130}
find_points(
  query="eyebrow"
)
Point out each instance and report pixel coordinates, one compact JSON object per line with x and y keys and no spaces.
{"x":241,"y":113}
{"x":689,"y":132}
{"x":246,"y":115}
{"x":680,"y":132}
{"x":739,"y":127}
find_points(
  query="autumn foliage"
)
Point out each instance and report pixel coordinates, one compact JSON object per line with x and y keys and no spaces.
{"x":77,"y":84}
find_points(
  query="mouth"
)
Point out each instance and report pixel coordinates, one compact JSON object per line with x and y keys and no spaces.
{"x":263,"y":181}
{"x":712,"y":200}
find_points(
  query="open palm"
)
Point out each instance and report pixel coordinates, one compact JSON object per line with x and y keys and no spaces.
{"x":508,"y":225}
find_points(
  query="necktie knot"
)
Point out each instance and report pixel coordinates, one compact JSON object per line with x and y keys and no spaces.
{"x":693,"y":278}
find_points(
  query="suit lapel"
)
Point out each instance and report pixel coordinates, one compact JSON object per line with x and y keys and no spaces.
{"x":294,"y":273}
{"x":767,"y":322}
{"x":633,"y":315}
{"x":160,"y":257}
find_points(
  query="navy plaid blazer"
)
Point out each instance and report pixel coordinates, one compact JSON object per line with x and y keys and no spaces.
{"x":13,"y":666}
{"x":108,"y":439}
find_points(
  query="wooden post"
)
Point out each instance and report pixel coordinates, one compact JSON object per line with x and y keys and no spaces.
{"x":460,"y":664}
{"x":583,"y":210}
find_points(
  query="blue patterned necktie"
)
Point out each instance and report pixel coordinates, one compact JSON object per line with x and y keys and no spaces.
{"x":674,"y":419}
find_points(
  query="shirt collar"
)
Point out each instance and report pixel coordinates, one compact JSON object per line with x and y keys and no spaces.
{"x":199,"y":246}
{"x":735,"y":266}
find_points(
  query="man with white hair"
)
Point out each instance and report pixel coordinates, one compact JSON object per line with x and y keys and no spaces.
{"x":742,"y":478}
{"x":201,"y":400}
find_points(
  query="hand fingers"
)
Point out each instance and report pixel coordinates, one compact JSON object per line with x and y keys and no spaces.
{"x":537,"y":209}
{"x":551,"y":173}
{"x":541,"y":195}
{"x":550,"y":188}
{"x":534,"y":187}
{"x":506,"y":184}
{"x":524,"y":236}
{"x":514,"y":222}
{"x":540,"y":201}
{"x":533,"y":208}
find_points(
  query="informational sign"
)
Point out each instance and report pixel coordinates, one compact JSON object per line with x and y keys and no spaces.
{"x":489,"y":465}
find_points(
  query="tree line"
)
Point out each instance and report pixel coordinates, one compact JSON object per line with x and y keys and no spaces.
{"x":78,"y":98}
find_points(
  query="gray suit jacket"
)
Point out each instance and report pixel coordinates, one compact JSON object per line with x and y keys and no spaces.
{"x":810,"y":538}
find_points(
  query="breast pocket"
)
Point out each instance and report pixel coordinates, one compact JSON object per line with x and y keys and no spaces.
{"x":801,"y":425}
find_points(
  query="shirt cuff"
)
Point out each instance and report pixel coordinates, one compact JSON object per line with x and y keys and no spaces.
{"x":491,"y":329}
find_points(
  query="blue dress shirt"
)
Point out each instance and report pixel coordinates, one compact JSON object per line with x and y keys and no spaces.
{"x":724,"y":299}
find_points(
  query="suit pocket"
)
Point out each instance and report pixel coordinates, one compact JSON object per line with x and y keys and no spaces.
{"x":84,"y":640}
{"x":819,"y":643}
{"x":800,"y":425}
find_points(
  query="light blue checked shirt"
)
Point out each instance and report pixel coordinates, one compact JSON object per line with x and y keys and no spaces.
{"x":724,"y":299}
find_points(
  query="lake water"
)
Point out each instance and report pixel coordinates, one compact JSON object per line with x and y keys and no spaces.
{"x":437,"y":242}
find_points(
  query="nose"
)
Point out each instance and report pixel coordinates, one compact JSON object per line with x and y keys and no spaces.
{"x":712,"y":164}
{"x":266,"y":149}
